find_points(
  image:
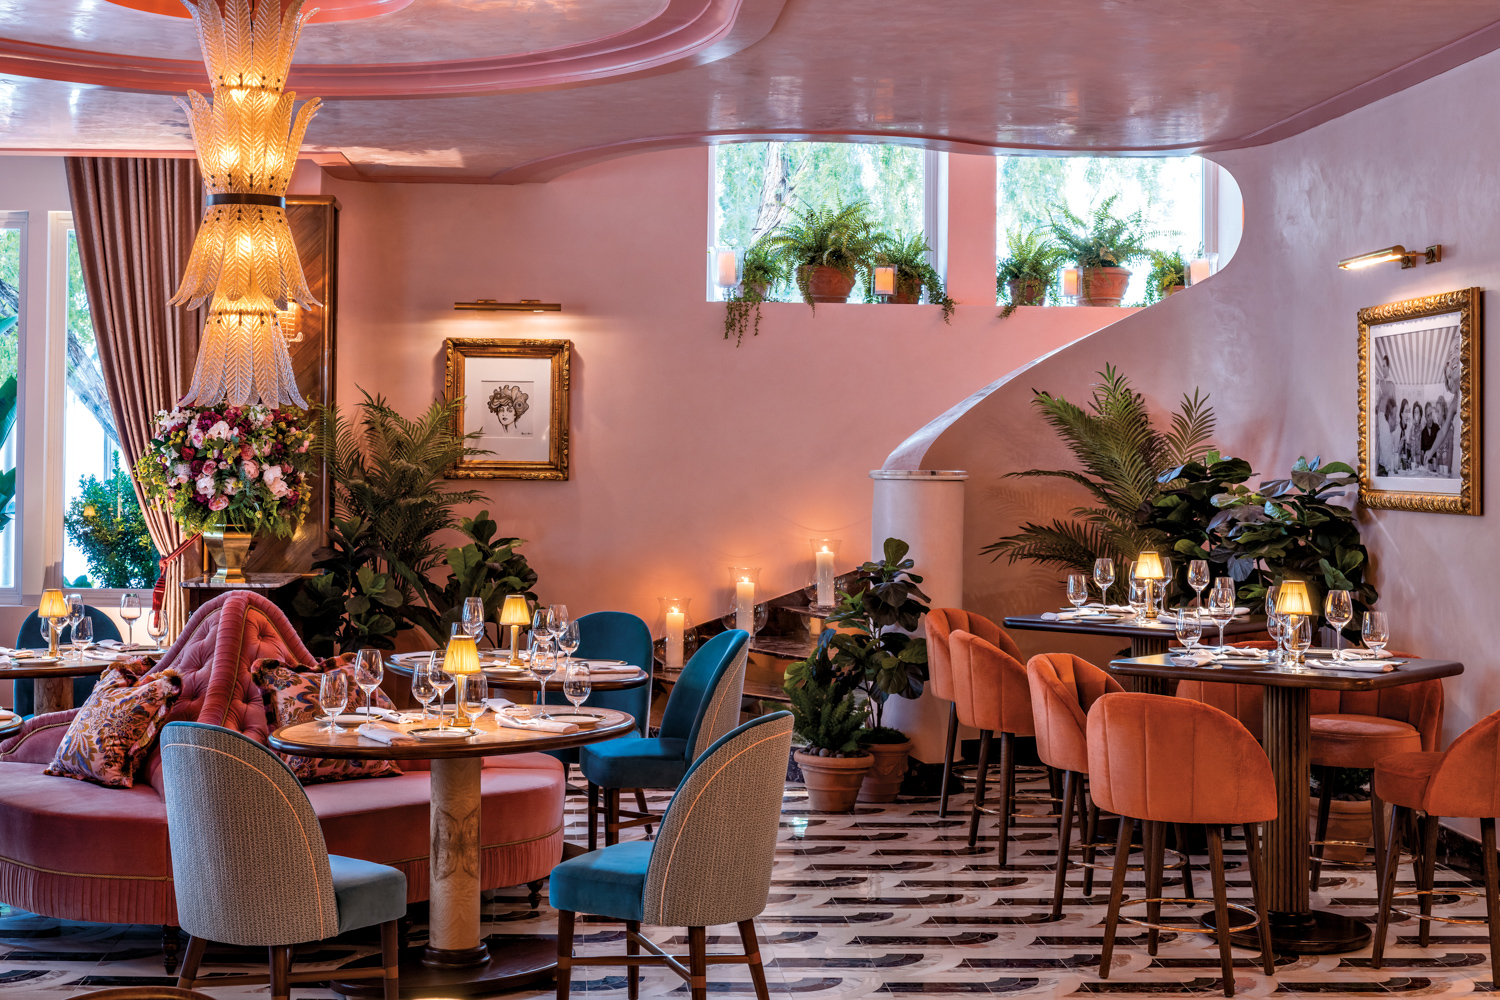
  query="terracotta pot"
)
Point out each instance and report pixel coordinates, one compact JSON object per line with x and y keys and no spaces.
{"x":228,"y":549}
{"x":828,"y":284}
{"x":1104,"y":286}
{"x":908,"y":297}
{"x":1031,"y":292}
{"x":1174,"y":289}
{"x":1346,"y":821}
{"x":883,"y":780}
{"x":832,"y":782}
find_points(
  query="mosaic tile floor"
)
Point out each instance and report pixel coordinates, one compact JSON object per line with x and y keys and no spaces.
{"x":889,"y":900}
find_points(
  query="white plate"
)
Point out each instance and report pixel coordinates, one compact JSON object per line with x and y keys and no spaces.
{"x":40,"y":661}
{"x":345,"y":720}
{"x":582,"y":720}
{"x":442,"y":735}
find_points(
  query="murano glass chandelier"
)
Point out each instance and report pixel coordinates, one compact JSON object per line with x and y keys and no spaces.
{"x":243,"y":262}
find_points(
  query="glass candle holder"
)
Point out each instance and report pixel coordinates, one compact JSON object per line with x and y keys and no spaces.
{"x":674,"y":625}
{"x":744,"y":582}
{"x":825,"y":552}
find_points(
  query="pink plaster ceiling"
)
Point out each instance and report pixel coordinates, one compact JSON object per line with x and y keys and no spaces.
{"x":326,"y":11}
{"x":1145,"y":76}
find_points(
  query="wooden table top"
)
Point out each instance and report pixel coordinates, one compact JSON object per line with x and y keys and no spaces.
{"x":1320,"y":673}
{"x":526,"y":681}
{"x":311,"y":739}
{"x":1242,"y":625}
{"x":68,"y":666}
{"x":11,"y":728}
{"x":252,"y":581}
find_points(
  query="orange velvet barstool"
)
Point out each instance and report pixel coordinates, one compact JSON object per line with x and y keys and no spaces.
{"x":992,"y":696}
{"x":1166,"y":760}
{"x":940,"y":625}
{"x":1063,"y":687}
{"x":1463,"y":780}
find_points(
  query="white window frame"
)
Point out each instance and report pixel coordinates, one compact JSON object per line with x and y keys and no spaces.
{"x":12,"y":549}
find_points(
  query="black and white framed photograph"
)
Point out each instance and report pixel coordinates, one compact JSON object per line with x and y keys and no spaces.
{"x":515,"y":396}
{"x":1419,"y":388}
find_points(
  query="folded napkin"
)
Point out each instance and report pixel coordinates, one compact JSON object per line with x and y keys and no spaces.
{"x":1373,"y":666}
{"x":384,"y":734}
{"x":536,"y":725}
{"x":1362,"y":654}
{"x":6,"y":715}
{"x":1201,"y":657}
{"x":1246,"y":654}
{"x":1171,"y":614}
{"x":497,"y":705}
{"x":612,"y":668}
{"x":386,"y":715}
{"x":1062,"y":616}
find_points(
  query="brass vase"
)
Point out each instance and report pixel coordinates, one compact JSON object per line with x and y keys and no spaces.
{"x":229,"y":549}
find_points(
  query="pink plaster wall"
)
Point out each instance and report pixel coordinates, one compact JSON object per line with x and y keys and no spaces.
{"x":1273,"y":339}
{"x":689,"y":455}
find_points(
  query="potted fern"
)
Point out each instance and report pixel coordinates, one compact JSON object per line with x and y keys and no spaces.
{"x":830,"y":721}
{"x":1101,"y":247}
{"x":914,"y":272}
{"x":762,"y":271}
{"x":825,"y":249}
{"x":1168,"y":275}
{"x":1025,"y":276}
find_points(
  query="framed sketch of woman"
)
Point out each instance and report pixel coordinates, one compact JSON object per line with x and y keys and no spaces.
{"x":1419,"y":403}
{"x":515,"y":397}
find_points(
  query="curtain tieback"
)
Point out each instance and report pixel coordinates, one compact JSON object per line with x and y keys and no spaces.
{"x":159,"y":592}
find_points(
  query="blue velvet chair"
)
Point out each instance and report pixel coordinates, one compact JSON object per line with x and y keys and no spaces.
{"x":33,"y":635}
{"x":709,"y":865}
{"x":250,"y":867}
{"x":612,"y":635}
{"x":704,"y":705}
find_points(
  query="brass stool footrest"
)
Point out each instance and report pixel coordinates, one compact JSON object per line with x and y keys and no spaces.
{"x":1407,"y":857}
{"x":1178,"y":865}
{"x":1434,"y":916}
{"x":1180,"y":901}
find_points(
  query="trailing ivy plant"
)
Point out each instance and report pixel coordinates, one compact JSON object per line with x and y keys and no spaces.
{"x":842,"y":238}
{"x":914,"y":271}
{"x":1032,"y":257}
{"x":1168,"y":271}
{"x":759,"y":275}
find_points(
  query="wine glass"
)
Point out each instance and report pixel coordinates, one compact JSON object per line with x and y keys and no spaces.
{"x":1189,"y":629}
{"x":442,"y":682}
{"x":1078,"y":589}
{"x":83,"y":635}
{"x":75,"y":611}
{"x":541,"y":632}
{"x":1276,"y":623}
{"x":569,"y":642}
{"x":130,"y":610}
{"x":333,"y":697}
{"x":1104,"y":577}
{"x":1298,"y":638}
{"x":576,"y":683}
{"x":156,"y":626}
{"x":1338,"y":608}
{"x":557,"y":619}
{"x":1221,"y":605}
{"x":473,"y":616}
{"x":543,"y":665}
{"x":1375,"y":631}
{"x":472,"y":693}
{"x":369,"y":671}
{"x":1198,"y":578}
{"x":1136,"y":595}
{"x":422,"y":687}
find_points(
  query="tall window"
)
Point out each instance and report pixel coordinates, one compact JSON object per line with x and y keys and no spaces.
{"x":12,"y":252}
{"x":1168,"y":191}
{"x":759,"y":185}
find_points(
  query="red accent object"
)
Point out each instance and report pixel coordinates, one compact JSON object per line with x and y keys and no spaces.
{"x":159,"y":592}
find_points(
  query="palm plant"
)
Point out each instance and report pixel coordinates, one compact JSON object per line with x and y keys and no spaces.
{"x":1168,"y":271}
{"x":1105,"y":240}
{"x":914,"y":271}
{"x":761,"y":272}
{"x":1122,"y":456}
{"x":842,"y":238}
{"x":1031,"y":262}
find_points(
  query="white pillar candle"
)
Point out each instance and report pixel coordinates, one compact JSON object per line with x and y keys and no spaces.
{"x":824,"y":559}
{"x":1070,"y":281}
{"x":885,"y":281}
{"x":727,"y":270}
{"x":1198,"y":270}
{"x":676,"y":625}
{"x":744,"y":600}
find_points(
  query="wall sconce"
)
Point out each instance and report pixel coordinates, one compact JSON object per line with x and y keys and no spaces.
{"x":725,"y":265}
{"x":1431,"y":255}
{"x":290,"y":321}
{"x":1071,"y":279}
{"x":885,"y":281}
{"x":525,"y":305}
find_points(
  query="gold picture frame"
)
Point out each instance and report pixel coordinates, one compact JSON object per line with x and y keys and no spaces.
{"x":1422,"y":356}
{"x":515,"y":394}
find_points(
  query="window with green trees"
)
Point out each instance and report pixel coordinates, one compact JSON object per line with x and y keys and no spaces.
{"x":11,"y":239}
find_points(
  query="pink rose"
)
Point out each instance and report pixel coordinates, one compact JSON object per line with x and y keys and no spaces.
{"x":218,"y":503}
{"x":250,"y":468}
{"x":247,"y":453}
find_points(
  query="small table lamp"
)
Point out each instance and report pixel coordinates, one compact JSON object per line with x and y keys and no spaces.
{"x":515,"y":613}
{"x":462,"y":661}
{"x":1293,"y":601}
{"x":1148,"y":567}
{"x":54,"y":608}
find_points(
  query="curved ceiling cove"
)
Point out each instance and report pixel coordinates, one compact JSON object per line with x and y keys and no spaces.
{"x":328,"y":10}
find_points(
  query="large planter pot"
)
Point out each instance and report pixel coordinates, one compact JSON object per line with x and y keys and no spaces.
{"x":1174,"y":289}
{"x":1104,"y":286}
{"x":1346,"y":821}
{"x":832,"y":782}
{"x":228,"y":549}
{"x":828,"y":284}
{"x":1030,"y":292}
{"x":883,"y":780}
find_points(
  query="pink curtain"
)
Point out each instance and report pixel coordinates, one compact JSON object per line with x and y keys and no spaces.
{"x":135,"y":220}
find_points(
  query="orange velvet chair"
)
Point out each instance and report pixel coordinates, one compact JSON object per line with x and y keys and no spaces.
{"x":1463,"y":780}
{"x":1063,"y":688}
{"x":1165,"y":760}
{"x":940,"y":625}
{"x":992,"y":696}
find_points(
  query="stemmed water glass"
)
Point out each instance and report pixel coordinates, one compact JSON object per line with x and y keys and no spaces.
{"x":541,"y":632}
{"x":1189,"y":629}
{"x":1375,"y":631}
{"x":422,"y":687}
{"x":1198,"y":578}
{"x":1276,"y":623}
{"x":569,"y":641}
{"x":369,"y":671}
{"x":83,"y":635}
{"x":1078,"y":589}
{"x":1136,"y":595}
{"x":576,"y":683}
{"x":1338,"y":608}
{"x":1221,"y":605}
{"x":473,"y":617}
{"x":156,"y":626}
{"x":557,"y":619}
{"x":130,"y":610}
{"x":543,"y":665}
{"x":1298,"y":639}
{"x":442,"y":682}
{"x":333,"y":697}
{"x":75,"y":612}
{"x":1104,"y":577}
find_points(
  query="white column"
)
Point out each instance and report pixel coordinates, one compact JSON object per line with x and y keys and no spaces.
{"x":924,"y":508}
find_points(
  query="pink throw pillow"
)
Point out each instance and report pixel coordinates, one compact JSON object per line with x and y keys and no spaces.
{"x":291,"y":695}
{"x":115,"y":730}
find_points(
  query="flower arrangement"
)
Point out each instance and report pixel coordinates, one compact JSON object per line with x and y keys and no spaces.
{"x":245,"y":468}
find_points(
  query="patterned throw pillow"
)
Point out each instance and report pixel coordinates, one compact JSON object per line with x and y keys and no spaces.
{"x":116,"y":728}
{"x":291,"y":695}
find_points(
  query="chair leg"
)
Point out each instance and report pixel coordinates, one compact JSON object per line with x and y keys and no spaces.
{"x":1257,"y":880}
{"x":698,"y":962}
{"x":1325,"y":796}
{"x":593,"y":816}
{"x":534,"y":894}
{"x":1188,"y":891}
{"x":640,"y":801}
{"x":281,"y":971}
{"x":564,"y":953}
{"x":1007,"y":792}
{"x":948,"y":759}
{"x":980,"y":777}
{"x":1091,"y":831}
{"x":1064,"y":835}
{"x":1387,"y":884}
{"x":611,"y":816}
{"x":390,"y":957}
{"x":191,"y":959}
{"x":633,"y":973}
{"x":1491,"y":886}
{"x":1153,"y":843}
{"x":1221,"y":907}
{"x":1116,"y":891}
{"x":1426,"y":879}
{"x":752,"y":955}
{"x":171,"y":943}
{"x":1377,"y":824}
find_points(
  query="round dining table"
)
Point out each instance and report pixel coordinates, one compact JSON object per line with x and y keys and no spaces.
{"x":456,"y":961}
{"x":54,"y":679}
